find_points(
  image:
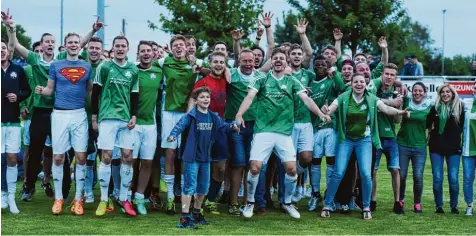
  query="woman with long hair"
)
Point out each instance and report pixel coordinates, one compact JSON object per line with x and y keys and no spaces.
{"x":445,"y":121}
{"x":411,"y":141}
{"x":469,"y":154}
{"x":357,"y":130}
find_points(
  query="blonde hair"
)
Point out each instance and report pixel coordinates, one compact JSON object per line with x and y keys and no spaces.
{"x":455,"y":103}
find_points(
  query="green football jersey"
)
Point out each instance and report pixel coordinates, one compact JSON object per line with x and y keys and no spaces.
{"x":358,"y":124}
{"x":275,"y":100}
{"x":412,"y":131}
{"x":40,"y":71}
{"x":179,"y":79}
{"x":149,"y":86}
{"x":324,"y":92}
{"x":236,"y":93}
{"x":28,"y":103}
{"x":301,"y":112}
{"x":386,"y":123}
{"x":117,"y":83}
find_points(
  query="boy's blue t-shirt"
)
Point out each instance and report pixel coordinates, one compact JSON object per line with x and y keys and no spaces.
{"x":71,"y":81}
{"x":204,"y":135}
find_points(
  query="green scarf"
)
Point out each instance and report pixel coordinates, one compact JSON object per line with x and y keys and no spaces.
{"x":473,"y":109}
{"x":443,"y":115}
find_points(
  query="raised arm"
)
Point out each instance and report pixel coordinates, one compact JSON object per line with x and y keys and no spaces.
{"x":338,"y":41}
{"x":306,"y":45}
{"x":237,"y":35}
{"x":12,"y":40}
{"x":266,"y":22}
{"x":382,"y":43}
{"x":245,"y":105}
{"x":259,"y":34}
{"x":96,"y":27}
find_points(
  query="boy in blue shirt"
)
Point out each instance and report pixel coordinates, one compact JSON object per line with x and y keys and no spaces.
{"x":198,"y":128}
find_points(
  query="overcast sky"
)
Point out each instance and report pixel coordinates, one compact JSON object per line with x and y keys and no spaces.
{"x":42,"y":16}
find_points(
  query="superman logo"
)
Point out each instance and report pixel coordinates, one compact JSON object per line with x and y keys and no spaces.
{"x":73,"y":74}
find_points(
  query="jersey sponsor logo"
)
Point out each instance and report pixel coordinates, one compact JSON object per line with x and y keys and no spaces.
{"x":13,"y":75}
{"x":119,"y":81}
{"x":73,"y":74}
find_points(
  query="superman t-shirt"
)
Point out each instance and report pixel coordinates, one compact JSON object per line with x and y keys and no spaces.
{"x":71,"y":81}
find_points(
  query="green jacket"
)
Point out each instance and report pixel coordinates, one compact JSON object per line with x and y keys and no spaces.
{"x":372,"y":100}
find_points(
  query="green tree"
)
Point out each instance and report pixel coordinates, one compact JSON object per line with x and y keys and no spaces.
{"x":23,"y":39}
{"x":361,"y":21}
{"x":209,"y":21}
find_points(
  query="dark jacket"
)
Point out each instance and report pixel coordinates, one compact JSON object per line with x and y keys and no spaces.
{"x":187,"y":126}
{"x":13,"y":81}
{"x":449,"y":142}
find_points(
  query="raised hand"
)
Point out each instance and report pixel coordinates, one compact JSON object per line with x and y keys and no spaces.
{"x":259,"y":31}
{"x":337,"y":34}
{"x":382,"y":42}
{"x":7,"y":19}
{"x":97,"y":25}
{"x":301,"y":26}
{"x":237,"y":35}
{"x":266,"y":21}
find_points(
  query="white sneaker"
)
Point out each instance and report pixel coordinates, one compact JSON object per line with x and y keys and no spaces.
{"x":4,"y":200}
{"x":248,"y":211}
{"x":41,"y":175}
{"x":89,"y":197}
{"x":469,"y":211}
{"x":291,"y":210}
{"x":12,"y":204}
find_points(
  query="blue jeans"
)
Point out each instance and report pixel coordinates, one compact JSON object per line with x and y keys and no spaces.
{"x":4,"y":172}
{"x":363,"y":151}
{"x":196,"y":177}
{"x":240,"y":145}
{"x":452,"y":164}
{"x":390,"y":149}
{"x":260,"y":200}
{"x":469,"y":166}
{"x":418,"y":158}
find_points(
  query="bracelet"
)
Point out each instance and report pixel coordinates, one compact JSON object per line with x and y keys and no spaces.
{"x":258,"y":38}
{"x":267,"y":26}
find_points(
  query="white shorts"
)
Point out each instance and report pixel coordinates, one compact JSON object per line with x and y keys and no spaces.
{"x":303,"y":137}
{"x":69,"y":129}
{"x":115,"y":133}
{"x":11,"y":139}
{"x":145,"y":141}
{"x":325,"y":143}
{"x":264,"y":143}
{"x":26,"y":134}
{"x":169,"y":120}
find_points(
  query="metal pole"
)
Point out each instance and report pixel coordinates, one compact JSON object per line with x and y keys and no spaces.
{"x":124,"y":26}
{"x":100,"y":10}
{"x":61,"y":22}
{"x":443,"y":50}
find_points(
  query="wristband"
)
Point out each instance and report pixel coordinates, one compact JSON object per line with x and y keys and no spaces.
{"x":258,"y":38}
{"x":267,"y":26}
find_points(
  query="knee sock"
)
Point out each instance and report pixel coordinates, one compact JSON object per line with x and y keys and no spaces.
{"x":169,"y":181}
{"x":126,"y":179}
{"x":289,"y":186}
{"x":80,"y":175}
{"x":58,"y":180}
{"x":104,"y":173}
{"x":252,"y":184}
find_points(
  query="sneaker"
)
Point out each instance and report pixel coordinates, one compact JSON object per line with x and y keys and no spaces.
{"x":212,"y":207}
{"x":234,"y":210}
{"x":345,"y":209}
{"x":325,"y":213}
{"x":454,"y":211}
{"x":170,"y":206}
{"x":353,"y":205}
{"x":156,"y":202}
{"x":140,"y":206}
{"x":110,"y":205}
{"x":48,"y":190}
{"x":27,"y":194}
{"x":439,"y":210}
{"x":57,"y":207}
{"x":308,"y":193}
{"x":373,"y":206}
{"x":313,"y":201}
{"x":186,"y":223}
{"x":261,"y":211}
{"x":469,"y":211}
{"x":398,"y":208}
{"x":291,"y":210}
{"x":199,"y":219}
{"x":77,"y":207}
{"x":248,"y":210}
{"x":41,"y":175}
{"x":102,"y":208}
{"x":333,"y":207}
{"x":367,"y":215}
{"x":417,"y":208}
{"x":296,"y":197}
{"x":4,"y":200}
{"x":89,"y":197}
{"x":225,"y":198}
{"x":12,"y":204}
{"x":128,"y":209}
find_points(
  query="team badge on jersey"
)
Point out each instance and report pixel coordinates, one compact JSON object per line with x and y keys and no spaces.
{"x":13,"y":75}
{"x":284,"y":87}
{"x":128,"y":74}
{"x":363,"y":107}
{"x":73,"y":74}
{"x":323,"y":86}
{"x":153,"y":76}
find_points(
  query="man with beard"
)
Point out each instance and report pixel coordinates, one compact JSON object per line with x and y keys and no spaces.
{"x":116,"y":90}
{"x":276,"y":93}
{"x":40,"y":127}
{"x":145,"y":131}
{"x":94,"y":50}
{"x":216,"y":82}
{"x":179,"y":78}
{"x":70,"y":80}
